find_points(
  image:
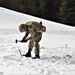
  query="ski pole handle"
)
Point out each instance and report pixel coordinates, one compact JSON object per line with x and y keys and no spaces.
{"x":17,"y":41}
{"x":21,"y":41}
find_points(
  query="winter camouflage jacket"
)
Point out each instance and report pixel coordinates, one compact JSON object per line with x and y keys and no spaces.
{"x":32,"y":28}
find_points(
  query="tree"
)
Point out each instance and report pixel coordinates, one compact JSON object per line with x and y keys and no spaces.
{"x":63,"y":11}
{"x":67,"y":12}
{"x":71,"y":13}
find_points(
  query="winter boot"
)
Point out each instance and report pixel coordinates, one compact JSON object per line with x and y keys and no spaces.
{"x":36,"y":56}
{"x":28,"y":54}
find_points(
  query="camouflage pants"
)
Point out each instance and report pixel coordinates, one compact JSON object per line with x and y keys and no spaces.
{"x":34,"y":42}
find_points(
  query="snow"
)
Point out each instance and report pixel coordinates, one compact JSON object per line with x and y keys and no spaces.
{"x":57,"y":47}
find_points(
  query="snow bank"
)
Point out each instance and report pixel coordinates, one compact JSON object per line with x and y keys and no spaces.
{"x":57,"y":47}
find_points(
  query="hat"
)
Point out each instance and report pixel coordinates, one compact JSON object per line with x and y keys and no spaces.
{"x":22,"y":27}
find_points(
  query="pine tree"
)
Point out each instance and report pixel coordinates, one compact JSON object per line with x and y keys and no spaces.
{"x":71,"y":13}
{"x":63,"y":11}
{"x":67,"y":12}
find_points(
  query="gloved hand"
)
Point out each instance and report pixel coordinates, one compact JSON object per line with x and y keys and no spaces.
{"x":24,"y":40}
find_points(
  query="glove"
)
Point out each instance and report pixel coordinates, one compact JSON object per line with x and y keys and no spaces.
{"x":24,"y":40}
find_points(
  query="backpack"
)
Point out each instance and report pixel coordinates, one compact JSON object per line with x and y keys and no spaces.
{"x":36,"y":26}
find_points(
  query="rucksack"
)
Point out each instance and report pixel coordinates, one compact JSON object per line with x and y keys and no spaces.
{"x":36,"y":26}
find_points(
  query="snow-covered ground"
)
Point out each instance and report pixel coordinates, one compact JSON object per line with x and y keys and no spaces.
{"x":57,"y":47}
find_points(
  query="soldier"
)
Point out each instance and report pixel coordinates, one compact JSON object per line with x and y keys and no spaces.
{"x":35,"y":30}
